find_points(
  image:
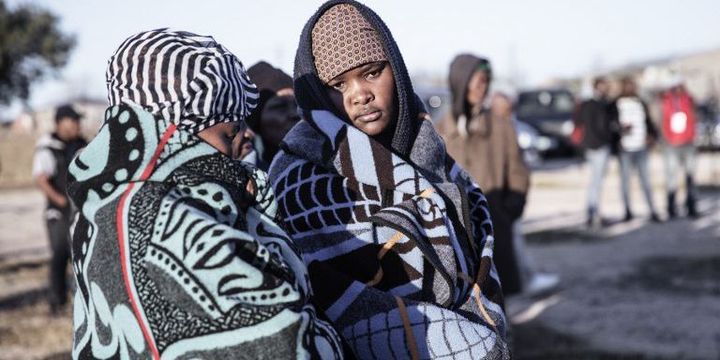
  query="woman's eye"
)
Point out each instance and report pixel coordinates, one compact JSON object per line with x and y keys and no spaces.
{"x":373,"y":74}
{"x":338,"y":86}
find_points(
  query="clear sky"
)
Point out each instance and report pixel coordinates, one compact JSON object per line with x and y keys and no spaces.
{"x":530,"y":39}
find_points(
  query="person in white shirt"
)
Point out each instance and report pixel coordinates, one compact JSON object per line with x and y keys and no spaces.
{"x":637,"y":134}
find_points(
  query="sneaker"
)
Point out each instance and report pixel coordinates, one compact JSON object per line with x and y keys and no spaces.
{"x":628,"y":216}
{"x":541,"y":283}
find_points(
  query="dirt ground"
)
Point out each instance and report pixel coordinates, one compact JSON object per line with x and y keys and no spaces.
{"x":632,"y":290}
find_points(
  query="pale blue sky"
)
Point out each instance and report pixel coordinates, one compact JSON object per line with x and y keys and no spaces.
{"x":530,"y":38}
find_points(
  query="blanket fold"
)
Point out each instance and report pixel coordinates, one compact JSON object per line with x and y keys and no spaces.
{"x":169,"y":264}
{"x":399,"y":251}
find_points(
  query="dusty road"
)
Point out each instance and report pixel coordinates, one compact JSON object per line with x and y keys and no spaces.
{"x":630,"y":290}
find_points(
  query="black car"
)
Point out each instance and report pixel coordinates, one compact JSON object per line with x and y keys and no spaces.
{"x":550,"y":112}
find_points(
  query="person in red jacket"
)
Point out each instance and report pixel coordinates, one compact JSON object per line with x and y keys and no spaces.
{"x":678,"y":126}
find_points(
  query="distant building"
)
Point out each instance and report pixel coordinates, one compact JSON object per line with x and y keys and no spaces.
{"x":700,"y":72}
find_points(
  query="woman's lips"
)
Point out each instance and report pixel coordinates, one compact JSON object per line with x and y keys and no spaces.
{"x":370,"y":117}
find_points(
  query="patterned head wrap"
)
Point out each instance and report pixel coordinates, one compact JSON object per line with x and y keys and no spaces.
{"x":343,"y":39}
{"x":183,"y":77}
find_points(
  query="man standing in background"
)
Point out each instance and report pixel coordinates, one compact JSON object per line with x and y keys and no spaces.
{"x":53,"y":154}
{"x":598,"y":133}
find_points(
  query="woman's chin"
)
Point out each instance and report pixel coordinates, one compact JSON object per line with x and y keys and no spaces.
{"x":373,"y":128}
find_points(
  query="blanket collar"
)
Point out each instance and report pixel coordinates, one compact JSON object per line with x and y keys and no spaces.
{"x":326,"y":140}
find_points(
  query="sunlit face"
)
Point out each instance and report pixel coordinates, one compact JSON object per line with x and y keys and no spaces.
{"x":68,"y":128}
{"x":221,"y":136}
{"x":366,"y":96}
{"x":477,"y":88}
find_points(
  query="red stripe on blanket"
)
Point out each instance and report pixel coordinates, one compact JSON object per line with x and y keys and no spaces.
{"x":119,"y":217}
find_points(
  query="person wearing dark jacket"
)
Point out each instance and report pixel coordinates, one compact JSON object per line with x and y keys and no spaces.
{"x":397,"y":237}
{"x":599,"y":132}
{"x":485,"y":144}
{"x":52,"y":157}
{"x":637,"y":134}
{"x":275,"y":114}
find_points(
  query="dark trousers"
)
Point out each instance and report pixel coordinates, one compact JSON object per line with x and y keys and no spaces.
{"x":504,"y":251}
{"x":58,"y":226}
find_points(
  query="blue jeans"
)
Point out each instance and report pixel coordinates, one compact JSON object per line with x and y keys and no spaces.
{"x":637,"y":160}
{"x":676,"y":156}
{"x":597,"y":160}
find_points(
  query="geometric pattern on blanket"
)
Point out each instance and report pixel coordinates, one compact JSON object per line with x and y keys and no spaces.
{"x":167,"y":264}
{"x":374,"y":227}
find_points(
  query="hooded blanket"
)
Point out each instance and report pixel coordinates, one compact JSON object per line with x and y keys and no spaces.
{"x":399,"y":252}
{"x":170,"y":265}
{"x":397,"y":239}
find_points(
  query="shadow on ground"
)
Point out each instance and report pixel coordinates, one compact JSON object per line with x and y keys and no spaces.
{"x":579,"y":233}
{"x":535,"y":341}
{"x":28,"y":297}
{"x":677,"y":276}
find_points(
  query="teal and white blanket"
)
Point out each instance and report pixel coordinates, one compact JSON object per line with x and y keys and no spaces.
{"x":169,"y":265}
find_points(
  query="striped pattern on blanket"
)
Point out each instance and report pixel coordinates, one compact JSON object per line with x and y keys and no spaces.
{"x":399,"y":250}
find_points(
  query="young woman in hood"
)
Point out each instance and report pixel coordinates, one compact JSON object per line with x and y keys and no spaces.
{"x":485,"y":144}
{"x":177,"y":252}
{"x":397,"y":238}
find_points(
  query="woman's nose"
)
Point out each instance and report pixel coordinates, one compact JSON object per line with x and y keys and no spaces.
{"x":361,"y":96}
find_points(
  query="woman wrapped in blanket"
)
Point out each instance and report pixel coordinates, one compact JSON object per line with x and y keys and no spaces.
{"x":397,"y":238}
{"x":177,"y":251}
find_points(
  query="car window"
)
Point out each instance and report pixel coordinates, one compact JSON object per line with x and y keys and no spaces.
{"x":544,"y":103}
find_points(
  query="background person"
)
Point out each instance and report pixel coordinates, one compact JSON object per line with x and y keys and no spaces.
{"x":678,"y":125}
{"x":53,"y":154}
{"x":276,"y":112}
{"x":637,"y":134}
{"x":485,"y":144}
{"x":599,"y":133}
